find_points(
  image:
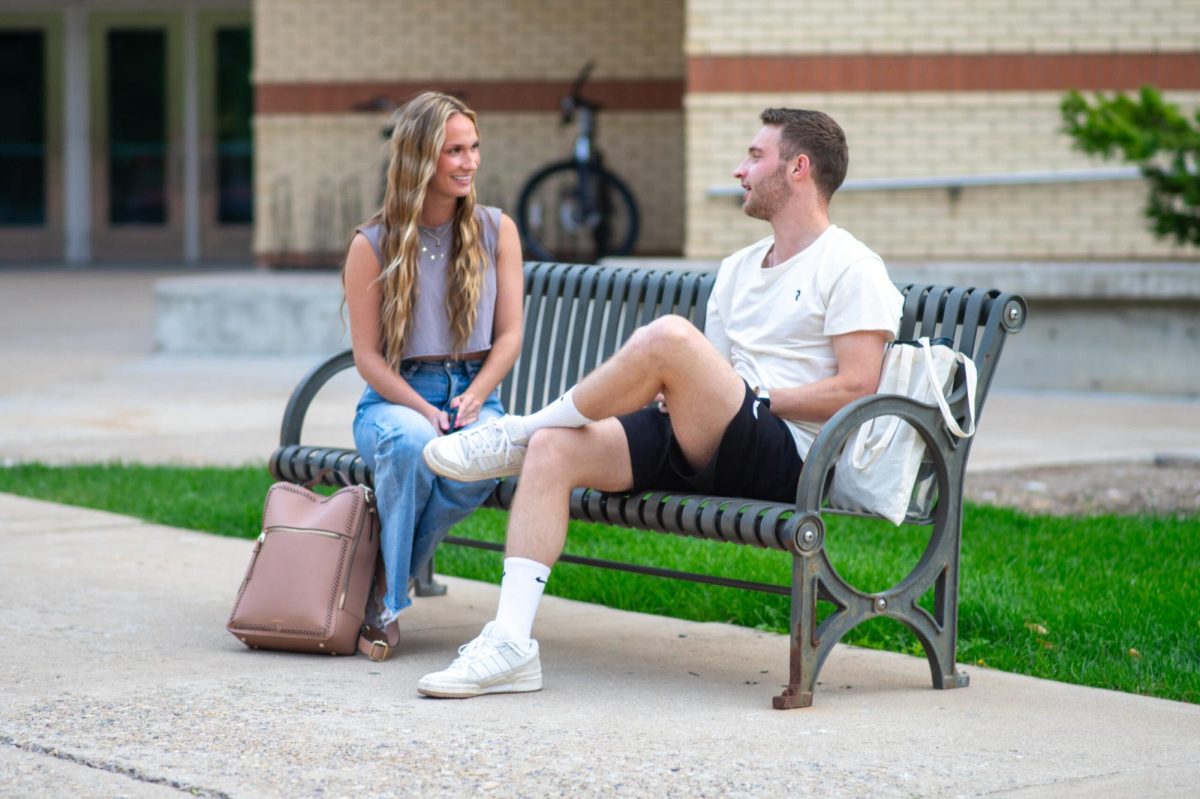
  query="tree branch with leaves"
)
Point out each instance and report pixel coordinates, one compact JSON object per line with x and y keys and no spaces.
{"x":1157,"y":137}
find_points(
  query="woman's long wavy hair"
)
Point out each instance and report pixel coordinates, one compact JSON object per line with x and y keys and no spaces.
{"x":416,"y":143}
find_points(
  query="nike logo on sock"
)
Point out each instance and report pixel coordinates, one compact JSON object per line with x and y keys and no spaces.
{"x":540,"y":580}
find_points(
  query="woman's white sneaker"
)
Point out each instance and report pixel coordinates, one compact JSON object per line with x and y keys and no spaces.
{"x":487,"y":666}
{"x":490,"y":450}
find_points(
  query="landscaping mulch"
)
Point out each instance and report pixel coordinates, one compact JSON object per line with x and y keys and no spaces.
{"x":1165,"y":487}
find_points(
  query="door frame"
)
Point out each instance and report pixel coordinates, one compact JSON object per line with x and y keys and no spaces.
{"x":43,"y":242}
{"x":136,"y":242}
{"x":216,"y":240}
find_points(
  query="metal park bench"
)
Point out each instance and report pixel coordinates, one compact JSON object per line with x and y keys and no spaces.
{"x":576,"y":316}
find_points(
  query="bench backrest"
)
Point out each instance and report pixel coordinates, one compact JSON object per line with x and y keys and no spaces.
{"x":576,"y":316}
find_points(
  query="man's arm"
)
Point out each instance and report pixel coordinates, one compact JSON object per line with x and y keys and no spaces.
{"x":860,"y":358}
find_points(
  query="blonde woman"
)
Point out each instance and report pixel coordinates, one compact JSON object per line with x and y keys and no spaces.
{"x":434,"y":287}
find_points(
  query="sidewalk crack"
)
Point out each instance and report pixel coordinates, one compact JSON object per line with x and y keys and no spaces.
{"x":131,"y":772}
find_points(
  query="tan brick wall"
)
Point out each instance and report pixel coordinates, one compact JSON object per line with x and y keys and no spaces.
{"x":939,"y":26}
{"x":671,"y":162}
{"x":930,"y":134}
{"x":306,"y":162}
{"x":322,"y":40}
{"x":319,"y":41}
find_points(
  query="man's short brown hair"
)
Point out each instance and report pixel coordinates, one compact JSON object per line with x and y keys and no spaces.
{"x":819,"y":137}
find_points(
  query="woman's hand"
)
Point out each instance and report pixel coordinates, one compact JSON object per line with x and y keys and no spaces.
{"x":466,"y":408}
{"x":438,"y":418}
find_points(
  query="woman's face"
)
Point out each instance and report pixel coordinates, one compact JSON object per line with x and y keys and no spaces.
{"x":459,"y":159}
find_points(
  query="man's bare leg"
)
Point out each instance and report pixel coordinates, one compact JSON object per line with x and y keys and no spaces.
{"x":504,"y":658}
{"x":668,"y":356}
{"x":559,"y":459}
{"x":702,"y":394}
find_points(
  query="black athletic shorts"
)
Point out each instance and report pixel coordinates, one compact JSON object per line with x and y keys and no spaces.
{"x":756,"y":458}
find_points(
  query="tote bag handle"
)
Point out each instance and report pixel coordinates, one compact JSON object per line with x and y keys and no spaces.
{"x":971,"y":378}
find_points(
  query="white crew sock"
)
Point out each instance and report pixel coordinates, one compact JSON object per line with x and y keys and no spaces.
{"x":520,"y":592}
{"x":560,"y":413}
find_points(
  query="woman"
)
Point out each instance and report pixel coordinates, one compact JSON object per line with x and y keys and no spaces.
{"x":434,"y":287}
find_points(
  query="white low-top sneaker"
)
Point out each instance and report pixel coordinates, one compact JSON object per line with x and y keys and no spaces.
{"x":487,"y":666}
{"x":493,"y":449}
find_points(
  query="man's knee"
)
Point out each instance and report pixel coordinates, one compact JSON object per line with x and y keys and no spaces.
{"x":596,"y":455}
{"x":549,"y":453}
{"x":666,"y":335}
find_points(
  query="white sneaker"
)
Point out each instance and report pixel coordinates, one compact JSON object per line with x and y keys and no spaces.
{"x":487,"y":666}
{"x":481,"y":453}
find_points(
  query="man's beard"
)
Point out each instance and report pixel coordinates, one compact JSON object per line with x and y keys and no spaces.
{"x":769,"y":196}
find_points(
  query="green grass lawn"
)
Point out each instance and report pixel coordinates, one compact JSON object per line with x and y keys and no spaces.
{"x":1105,"y":601}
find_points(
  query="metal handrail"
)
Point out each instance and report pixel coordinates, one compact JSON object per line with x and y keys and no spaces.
{"x":959,"y":182}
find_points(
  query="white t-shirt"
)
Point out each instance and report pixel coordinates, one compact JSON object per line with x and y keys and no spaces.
{"x":775,"y":325}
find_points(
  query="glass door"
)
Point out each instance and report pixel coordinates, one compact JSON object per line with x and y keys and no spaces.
{"x":31,"y":207}
{"x":136,"y":128}
{"x":224,"y":63}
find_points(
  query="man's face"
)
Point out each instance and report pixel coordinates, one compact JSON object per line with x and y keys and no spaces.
{"x":763,"y":175}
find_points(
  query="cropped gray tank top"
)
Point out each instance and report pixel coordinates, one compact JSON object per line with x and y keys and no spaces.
{"x":431,"y":333}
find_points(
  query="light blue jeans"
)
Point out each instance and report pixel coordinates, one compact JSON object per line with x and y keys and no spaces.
{"x":416,"y":507}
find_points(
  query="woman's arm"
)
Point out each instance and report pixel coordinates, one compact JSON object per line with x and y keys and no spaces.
{"x":364,"y":300}
{"x":506,"y":328}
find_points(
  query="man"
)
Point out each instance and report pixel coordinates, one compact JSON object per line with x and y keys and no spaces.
{"x":796,"y":329}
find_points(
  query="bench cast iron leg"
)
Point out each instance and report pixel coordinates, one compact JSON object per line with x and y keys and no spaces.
{"x":939,"y":634}
{"x":425,"y":585}
{"x":805,"y":659}
{"x":941,"y":651}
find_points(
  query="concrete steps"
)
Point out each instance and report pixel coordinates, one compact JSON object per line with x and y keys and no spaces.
{"x":251,"y":313}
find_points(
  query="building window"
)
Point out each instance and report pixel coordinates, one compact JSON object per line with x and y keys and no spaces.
{"x":22,"y":128}
{"x":137,"y":127}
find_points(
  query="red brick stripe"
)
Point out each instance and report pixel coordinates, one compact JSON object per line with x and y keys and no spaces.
{"x":499,"y":95}
{"x":943,"y":73}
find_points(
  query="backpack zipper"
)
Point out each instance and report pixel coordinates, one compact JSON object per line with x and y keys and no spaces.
{"x":283,"y":528}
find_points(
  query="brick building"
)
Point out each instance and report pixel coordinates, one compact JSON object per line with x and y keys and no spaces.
{"x":940,"y":89}
{"x":950,"y":107}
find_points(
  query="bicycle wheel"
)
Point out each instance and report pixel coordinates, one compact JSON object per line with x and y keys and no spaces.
{"x":576,"y":214}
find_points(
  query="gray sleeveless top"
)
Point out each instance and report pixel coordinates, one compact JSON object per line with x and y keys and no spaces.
{"x":431,"y":333}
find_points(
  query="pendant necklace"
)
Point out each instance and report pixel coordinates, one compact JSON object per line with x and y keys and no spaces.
{"x":431,"y":240}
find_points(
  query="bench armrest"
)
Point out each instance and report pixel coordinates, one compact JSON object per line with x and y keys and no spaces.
{"x":823,"y":455}
{"x":306,"y":389}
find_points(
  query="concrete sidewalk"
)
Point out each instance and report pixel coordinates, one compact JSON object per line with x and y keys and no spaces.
{"x":121,"y":680}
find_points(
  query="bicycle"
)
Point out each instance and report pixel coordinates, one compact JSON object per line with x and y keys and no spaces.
{"x":576,"y":210}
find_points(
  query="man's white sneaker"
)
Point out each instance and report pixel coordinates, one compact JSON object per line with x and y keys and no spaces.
{"x":487,"y":666}
{"x":481,"y":453}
